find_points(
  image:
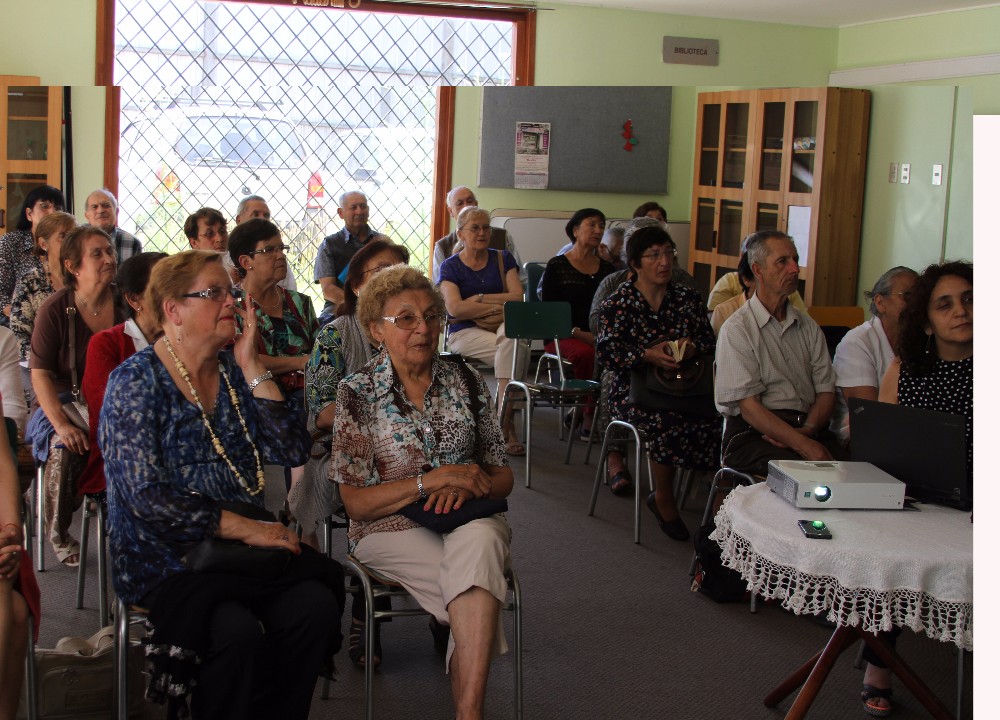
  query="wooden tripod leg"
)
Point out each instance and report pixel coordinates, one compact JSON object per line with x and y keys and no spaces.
{"x":906,"y":676}
{"x":816,"y":669}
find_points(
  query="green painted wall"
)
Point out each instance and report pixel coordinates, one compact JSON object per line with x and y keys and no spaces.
{"x":906,"y":224}
{"x":62,"y":54}
{"x":579,"y":46}
{"x":957,"y":34}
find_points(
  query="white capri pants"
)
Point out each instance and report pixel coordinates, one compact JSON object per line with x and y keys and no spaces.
{"x":435,"y":569}
{"x":494,"y":349}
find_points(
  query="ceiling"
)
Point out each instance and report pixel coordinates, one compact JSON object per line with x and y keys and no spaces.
{"x":814,"y":13}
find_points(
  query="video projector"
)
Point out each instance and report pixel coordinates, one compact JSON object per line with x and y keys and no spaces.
{"x":833,"y":484}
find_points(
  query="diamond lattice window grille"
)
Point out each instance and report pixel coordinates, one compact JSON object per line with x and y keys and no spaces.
{"x":221,"y":100}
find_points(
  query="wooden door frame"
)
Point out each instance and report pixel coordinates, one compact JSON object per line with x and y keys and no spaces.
{"x":523,"y":73}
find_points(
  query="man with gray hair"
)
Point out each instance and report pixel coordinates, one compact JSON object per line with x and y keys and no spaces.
{"x":101,"y":211}
{"x":774,"y":381}
{"x":458,"y":198}
{"x":336,"y":251}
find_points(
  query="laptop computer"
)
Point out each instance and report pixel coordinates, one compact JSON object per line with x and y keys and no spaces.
{"x":923,"y":448}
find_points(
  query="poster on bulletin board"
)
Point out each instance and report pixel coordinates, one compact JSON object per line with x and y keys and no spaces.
{"x":601,"y":139}
{"x":531,"y":155}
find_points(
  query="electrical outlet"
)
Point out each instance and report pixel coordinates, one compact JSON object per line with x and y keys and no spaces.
{"x":893,"y":172}
{"x":936,"y":172}
{"x":904,"y":174}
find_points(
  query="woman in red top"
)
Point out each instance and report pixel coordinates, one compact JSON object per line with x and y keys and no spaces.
{"x":109,"y":348}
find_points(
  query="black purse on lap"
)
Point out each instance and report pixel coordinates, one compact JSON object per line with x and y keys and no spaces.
{"x":232,"y":557}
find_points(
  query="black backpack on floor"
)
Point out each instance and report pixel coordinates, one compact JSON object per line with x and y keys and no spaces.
{"x":711,"y":577}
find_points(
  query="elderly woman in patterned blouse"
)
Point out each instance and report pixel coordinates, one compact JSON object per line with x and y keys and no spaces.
{"x":412,"y":428}
{"x":185,"y":429}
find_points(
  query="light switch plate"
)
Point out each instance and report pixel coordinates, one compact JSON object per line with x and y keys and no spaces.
{"x":904,"y":173}
{"x":893,"y":172}
{"x":936,"y":172}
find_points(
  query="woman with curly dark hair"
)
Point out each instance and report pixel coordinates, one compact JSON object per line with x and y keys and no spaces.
{"x":933,"y":370}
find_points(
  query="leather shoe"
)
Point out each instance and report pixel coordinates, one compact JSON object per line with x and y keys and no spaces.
{"x":675,"y":529}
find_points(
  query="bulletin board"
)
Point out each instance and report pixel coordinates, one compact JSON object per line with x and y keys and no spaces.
{"x":587,"y":149}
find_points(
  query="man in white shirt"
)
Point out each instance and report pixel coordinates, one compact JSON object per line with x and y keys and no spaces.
{"x":774,"y":380}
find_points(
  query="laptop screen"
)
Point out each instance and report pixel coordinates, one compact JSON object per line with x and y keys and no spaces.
{"x":923,"y":448}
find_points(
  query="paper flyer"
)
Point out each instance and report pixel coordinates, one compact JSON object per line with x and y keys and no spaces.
{"x":531,"y":155}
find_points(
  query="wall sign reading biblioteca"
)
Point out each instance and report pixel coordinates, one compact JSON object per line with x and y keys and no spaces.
{"x":690,"y":51}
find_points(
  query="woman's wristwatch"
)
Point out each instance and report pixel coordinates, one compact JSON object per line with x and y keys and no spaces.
{"x":420,"y":485}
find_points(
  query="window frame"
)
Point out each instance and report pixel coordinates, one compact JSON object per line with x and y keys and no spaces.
{"x":523,"y":73}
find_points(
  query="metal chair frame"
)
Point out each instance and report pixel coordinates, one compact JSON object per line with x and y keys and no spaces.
{"x":102,"y":553}
{"x":533,"y":321}
{"x":375,"y":585}
{"x":125,"y":616}
{"x":682,"y":477}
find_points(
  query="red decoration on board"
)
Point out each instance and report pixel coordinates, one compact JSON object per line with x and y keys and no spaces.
{"x":630,"y":140}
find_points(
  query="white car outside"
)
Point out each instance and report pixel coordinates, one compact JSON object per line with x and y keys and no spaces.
{"x":187,"y":158}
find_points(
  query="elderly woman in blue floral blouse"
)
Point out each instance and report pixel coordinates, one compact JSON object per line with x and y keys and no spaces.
{"x":406,"y":432}
{"x":186,"y":427}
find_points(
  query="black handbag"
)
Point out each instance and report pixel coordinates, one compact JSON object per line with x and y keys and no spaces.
{"x":473,"y":509}
{"x":688,"y":390}
{"x":232,"y":557}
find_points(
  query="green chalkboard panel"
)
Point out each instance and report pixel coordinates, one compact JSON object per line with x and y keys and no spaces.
{"x":587,"y":148}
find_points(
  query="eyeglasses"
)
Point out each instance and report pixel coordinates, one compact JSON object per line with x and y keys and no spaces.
{"x":377,"y":268}
{"x":269,"y":250}
{"x":45,"y":206}
{"x":212,"y":233}
{"x":217,"y":294}
{"x":906,"y":295}
{"x":412,"y":322}
{"x":657,"y":254}
{"x":476,"y":229}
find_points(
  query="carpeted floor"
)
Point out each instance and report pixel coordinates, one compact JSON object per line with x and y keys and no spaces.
{"x":611,"y":628}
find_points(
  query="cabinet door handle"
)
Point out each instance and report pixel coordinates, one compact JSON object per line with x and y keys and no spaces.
{"x":715,"y":236}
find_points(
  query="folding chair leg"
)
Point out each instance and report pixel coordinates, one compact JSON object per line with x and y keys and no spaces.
{"x":515,"y":587}
{"x":121,"y":659}
{"x":81,"y":571}
{"x":102,"y":560}
{"x":40,"y":518}
{"x":30,"y":672}
{"x":602,"y":463}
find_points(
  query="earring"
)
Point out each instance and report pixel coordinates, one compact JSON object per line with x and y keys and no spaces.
{"x":927,"y":347}
{"x":249,"y":267}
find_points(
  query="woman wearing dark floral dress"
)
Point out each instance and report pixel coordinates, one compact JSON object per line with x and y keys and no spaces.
{"x":652,"y":309}
{"x":16,"y":257}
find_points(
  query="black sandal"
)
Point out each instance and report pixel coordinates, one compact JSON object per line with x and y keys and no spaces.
{"x":870,"y":692}
{"x":356,"y":645}
{"x":621,"y":482}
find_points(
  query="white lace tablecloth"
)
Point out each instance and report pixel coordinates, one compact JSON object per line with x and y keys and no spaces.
{"x":882,"y":568}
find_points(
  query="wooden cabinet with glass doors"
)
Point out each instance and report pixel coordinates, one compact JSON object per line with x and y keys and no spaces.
{"x":30,"y":142}
{"x":787,"y":159}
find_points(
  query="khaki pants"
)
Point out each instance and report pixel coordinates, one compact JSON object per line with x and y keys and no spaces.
{"x":435,"y":569}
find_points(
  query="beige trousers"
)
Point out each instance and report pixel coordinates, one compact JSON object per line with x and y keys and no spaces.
{"x":435,"y":569}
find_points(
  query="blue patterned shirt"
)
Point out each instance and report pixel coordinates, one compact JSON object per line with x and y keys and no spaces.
{"x":158,"y":454}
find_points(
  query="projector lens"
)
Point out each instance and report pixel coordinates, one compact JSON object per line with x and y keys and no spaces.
{"x":822,"y":493}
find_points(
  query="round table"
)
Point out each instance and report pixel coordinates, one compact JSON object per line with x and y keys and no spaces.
{"x":881,"y":568}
